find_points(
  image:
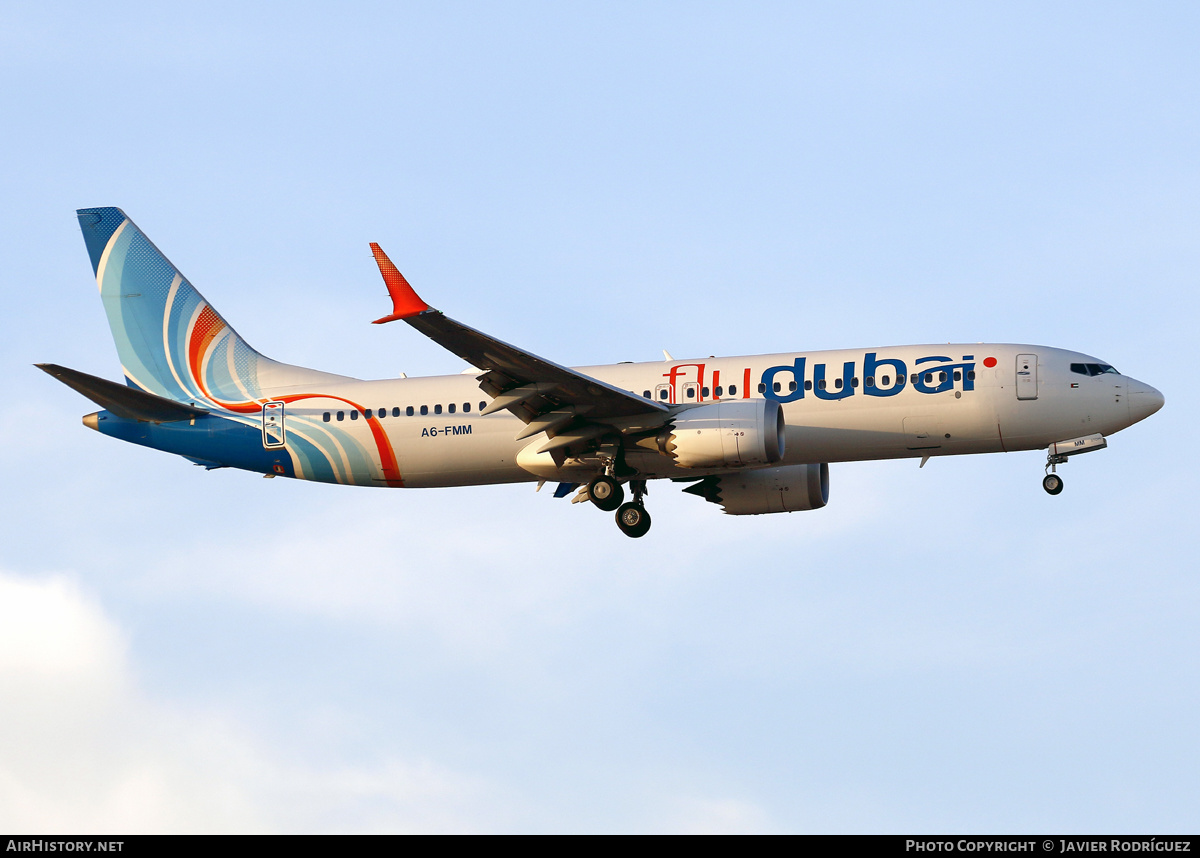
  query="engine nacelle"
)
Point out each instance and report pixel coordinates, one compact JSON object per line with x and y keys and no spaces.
{"x":726,"y":434}
{"x":792,"y":488}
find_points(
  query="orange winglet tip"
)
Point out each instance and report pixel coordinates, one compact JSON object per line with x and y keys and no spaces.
{"x":405,"y":301}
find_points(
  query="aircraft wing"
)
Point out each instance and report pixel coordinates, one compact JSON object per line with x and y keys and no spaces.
{"x":546,"y":396}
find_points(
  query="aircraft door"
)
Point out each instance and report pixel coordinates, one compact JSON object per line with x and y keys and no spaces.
{"x":1027,"y":377}
{"x":272,"y":420}
{"x":690,"y":392}
{"x":662,"y":393}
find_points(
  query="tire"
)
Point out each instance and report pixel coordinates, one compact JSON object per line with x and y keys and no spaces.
{"x":606,"y":493}
{"x":1053,"y":484}
{"x":633,"y":520}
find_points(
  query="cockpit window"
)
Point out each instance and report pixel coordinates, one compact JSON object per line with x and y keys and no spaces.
{"x":1093,"y":369}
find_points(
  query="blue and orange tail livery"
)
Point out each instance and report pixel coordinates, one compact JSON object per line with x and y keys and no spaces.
{"x":170,"y":340}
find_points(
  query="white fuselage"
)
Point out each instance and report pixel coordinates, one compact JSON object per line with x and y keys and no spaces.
{"x":446,"y":442}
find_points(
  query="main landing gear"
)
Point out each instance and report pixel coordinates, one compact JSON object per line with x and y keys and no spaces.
{"x":633,"y":519}
{"x":607,"y":494}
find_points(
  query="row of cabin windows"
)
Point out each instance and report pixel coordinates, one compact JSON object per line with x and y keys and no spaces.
{"x":884,"y":381}
{"x":690,"y":392}
{"x":410,"y":411}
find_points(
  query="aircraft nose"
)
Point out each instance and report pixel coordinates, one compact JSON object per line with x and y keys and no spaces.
{"x":1144,"y":400}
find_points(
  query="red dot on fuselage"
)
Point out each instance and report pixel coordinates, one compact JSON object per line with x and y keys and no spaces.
{"x":989,"y":362}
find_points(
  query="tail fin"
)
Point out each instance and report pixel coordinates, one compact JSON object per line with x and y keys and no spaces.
{"x":170,"y":340}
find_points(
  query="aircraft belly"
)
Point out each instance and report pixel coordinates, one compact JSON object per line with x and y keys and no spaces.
{"x":903,"y":426}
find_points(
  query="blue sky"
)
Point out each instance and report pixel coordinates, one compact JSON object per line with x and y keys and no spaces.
{"x":946,"y":649}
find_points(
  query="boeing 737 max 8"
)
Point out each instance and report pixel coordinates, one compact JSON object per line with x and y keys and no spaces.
{"x":754,"y":434}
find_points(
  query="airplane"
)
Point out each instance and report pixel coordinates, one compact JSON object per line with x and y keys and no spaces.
{"x":753,"y":434}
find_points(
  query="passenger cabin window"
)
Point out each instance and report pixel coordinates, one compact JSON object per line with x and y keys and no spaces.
{"x":482,"y":406}
{"x":437,"y":409}
{"x":791,"y":385}
{"x":450,"y":407}
{"x":854,"y":382}
{"x":762,"y":388}
{"x":777,"y":387}
{"x":662,"y":394}
{"x":870,"y":381}
{"x":971,"y":374}
{"x":703,"y":392}
{"x":957,"y":375}
{"x":733,"y":390}
{"x":396,"y":411}
{"x":424,"y":410}
{"x":353,"y":415}
{"x":719,"y":391}
{"x":821,"y":384}
{"x":341,"y":415}
{"x":466,"y":408}
{"x":837,"y":383}
{"x":645,"y":394}
{"x":325,"y":416}
{"x":941,"y":376}
{"x":408,"y":412}
{"x":808,"y":385}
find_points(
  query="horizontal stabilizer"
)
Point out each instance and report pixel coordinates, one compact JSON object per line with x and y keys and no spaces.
{"x":123,"y":401}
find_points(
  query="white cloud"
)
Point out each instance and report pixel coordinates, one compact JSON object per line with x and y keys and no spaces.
{"x":83,"y":749}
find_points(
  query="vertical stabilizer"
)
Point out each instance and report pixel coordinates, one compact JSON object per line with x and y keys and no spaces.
{"x":170,"y":340}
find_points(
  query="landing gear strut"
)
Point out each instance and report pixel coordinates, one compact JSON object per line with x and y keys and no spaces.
{"x":632,"y":517}
{"x":1052,"y":482}
{"x":1057,"y":453}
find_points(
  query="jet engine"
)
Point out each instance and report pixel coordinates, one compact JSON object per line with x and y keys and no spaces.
{"x":725,"y":435}
{"x":792,"y":488}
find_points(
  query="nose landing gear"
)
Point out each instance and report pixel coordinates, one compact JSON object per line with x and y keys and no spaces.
{"x":1052,"y":482}
{"x":1057,"y":453}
